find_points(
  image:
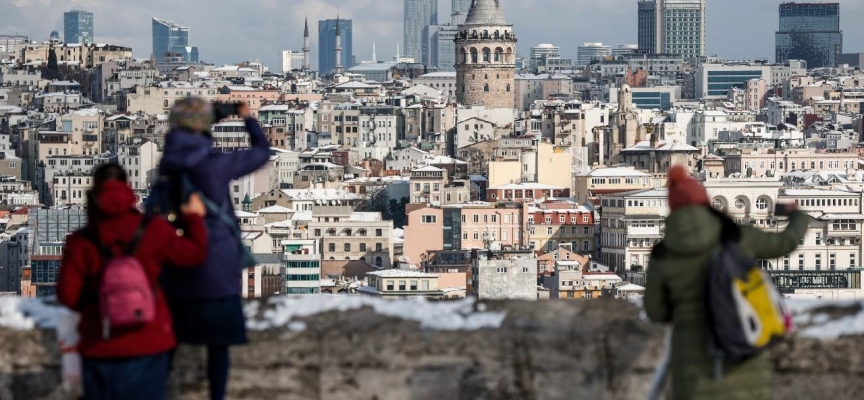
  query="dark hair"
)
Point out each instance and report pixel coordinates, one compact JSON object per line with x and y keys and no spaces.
{"x":102,"y":174}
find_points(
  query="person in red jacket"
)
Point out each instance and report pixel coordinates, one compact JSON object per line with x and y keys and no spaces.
{"x":133,"y":363}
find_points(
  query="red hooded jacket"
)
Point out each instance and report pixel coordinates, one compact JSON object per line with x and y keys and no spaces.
{"x":160,"y":244}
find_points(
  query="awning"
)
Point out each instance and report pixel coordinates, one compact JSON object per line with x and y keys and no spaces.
{"x":292,"y":248}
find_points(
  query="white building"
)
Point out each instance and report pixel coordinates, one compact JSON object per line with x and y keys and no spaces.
{"x":291,"y":60}
{"x":141,"y":162}
{"x":500,"y":275}
{"x":589,"y":52}
{"x":302,"y":266}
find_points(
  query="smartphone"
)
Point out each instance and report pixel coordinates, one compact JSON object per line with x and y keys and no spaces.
{"x":782,"y":210}
{"x":225,"y":110}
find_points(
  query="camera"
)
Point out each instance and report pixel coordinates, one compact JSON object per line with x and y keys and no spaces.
{"x":225,"y":110}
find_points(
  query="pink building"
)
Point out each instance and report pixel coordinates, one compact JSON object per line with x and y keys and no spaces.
{"x":525,"y":192}
{"x":482,"y":222}
{"x":424,"y":232}
{"x":756,"y":91}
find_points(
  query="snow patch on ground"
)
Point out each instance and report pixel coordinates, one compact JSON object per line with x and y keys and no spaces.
{"x":25,"y":314}
{"x":440,"y":316}
{"x":814,"y":322}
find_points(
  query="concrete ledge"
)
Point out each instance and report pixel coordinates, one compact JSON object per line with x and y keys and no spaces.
{"x":541,"y":350}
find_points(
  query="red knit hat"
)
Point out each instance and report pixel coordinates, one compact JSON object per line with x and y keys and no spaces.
{"x":684,"y":190}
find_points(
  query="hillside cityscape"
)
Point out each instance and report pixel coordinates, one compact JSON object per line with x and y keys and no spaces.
{"x":469,"y":165}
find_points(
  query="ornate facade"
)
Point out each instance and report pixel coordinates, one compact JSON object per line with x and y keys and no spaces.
{"x":486,"y":57}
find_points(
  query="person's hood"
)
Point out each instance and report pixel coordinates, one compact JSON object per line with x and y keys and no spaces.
{"x":115,"y":199}
{"x":184,"y":150}
{"x":692,"y":230}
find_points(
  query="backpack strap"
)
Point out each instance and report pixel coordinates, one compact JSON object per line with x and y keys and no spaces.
{"x":136,"y":239}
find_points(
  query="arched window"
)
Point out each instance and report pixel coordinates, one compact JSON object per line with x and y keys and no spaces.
{"x":474,"y":56}
{"x":463,"y":56}
{"x":378,"y":261}
{"x":331,"y":247}
{"x":347,"y":246}
{"x":486,"y":87}
{"x":508,"y":87}
{"x":165,"y":103}
{"x":485,"y":34}
{"x":763,"y":203}
{"x":497,"y":34}
{"x":486,"y":53}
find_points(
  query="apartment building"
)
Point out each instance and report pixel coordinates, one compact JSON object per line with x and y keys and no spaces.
{"x":502,"y":274}
{"x":141,"y":162}
{"x":302,"y":259}
{"x":554,"y":223}
{"x":589,"y":185}
{"x":631,"y":223}
{"x":775,"y":162}
{"x":348,"y":235}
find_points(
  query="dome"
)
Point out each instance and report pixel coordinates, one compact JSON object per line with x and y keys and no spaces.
{"x":485,"y":12}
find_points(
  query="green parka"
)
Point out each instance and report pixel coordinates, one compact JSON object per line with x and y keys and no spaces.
{"x":675,"y":293}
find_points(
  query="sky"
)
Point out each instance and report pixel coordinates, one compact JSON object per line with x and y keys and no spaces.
{"x":231,"y":31}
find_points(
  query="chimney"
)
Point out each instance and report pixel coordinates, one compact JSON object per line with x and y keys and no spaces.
{"x":653,"y":140}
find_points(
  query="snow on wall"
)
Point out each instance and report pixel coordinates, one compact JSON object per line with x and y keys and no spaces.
{"x":24,"y":314}
{"x":442,"y":316}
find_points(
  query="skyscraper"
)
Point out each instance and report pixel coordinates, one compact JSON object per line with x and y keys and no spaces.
{"x":673,"y":27}
{"x":171,"y":40}
{"x":327,"y":44}
{"x":809,"y":32}
{"x":460,"y":6}
{"x":418,"y":15}
{"x":78,"y":26}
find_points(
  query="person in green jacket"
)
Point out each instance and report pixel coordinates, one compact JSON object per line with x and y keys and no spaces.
{"x":675,"y":290}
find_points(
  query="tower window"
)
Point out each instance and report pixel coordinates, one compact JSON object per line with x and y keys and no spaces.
{"x":486,"y":87}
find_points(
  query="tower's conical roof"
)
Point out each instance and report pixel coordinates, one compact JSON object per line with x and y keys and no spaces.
{"x":485,"y":12}
{"x":306,"y":29}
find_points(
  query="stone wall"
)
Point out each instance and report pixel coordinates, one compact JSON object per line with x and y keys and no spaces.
{"x":541,"y":350}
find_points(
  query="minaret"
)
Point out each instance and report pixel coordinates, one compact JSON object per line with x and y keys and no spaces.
{"x":338,"y":68}
{"x":306,"y":48}
{"x":374,"y":53}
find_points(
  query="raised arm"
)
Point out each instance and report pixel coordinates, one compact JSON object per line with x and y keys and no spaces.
{"x":765,"y":245}
{"x":236,"y":164}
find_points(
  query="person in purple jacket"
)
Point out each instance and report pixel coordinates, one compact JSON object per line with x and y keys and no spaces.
{"x":205,"y":302}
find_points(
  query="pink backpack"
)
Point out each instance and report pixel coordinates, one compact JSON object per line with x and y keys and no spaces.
{"x":126,"y":296}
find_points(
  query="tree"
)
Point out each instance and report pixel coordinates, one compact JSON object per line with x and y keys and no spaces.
{"x":53,"y":70}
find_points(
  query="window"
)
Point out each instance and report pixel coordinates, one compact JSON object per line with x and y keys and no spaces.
{"x":379,"y":233}
{"x":740,"y":203}
{"x":476,"y":235}
{"x":762,"y":203}
{"x":413,"y":286}
{"x":428,"y":219}
{"x":832,"y":262}
{"x":362,"y":247}
{"x":818,"y":262}
{"x":378,"y":261}
{"x":548,"y":231}
{"x":586,"y":231}
{"x":331,"y":247}
{"x":818,"y":239}
{"x":389,"y":285}
{"x":402,"y":286}
{"x":476,"y":218}
{"x":378,"y":247}
{"x":786,"y":263}
{"x":347,"y":246}
{"x":800,"y":262}
{"x":844,"y":225}
{"x":852,"y":263}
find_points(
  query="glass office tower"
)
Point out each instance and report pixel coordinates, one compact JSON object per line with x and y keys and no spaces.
{"x":78,"y":26}
{"x":809,"y":32}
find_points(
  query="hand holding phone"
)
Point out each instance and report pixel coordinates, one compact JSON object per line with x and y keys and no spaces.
{"x":784,"y":210}
{"x":225,"y":110}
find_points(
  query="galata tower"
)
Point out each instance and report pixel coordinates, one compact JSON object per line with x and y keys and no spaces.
{"x":485,"y":57}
